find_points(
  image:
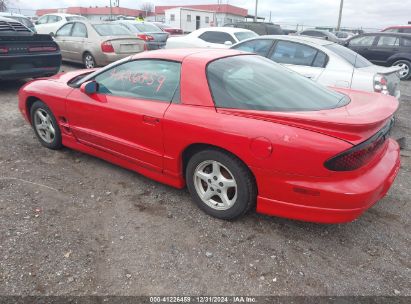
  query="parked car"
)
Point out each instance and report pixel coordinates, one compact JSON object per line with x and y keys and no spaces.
{"x":20,"y":18}
{"x":154,"y":37}
{"x":260,"y":28}
{"x":322,"y":34}
{"x":213,"y":37}
{"x":386,"y":49}
{"x":398,"y":29}
{"x":325,"y":62}
{"x":343,"y":35}
{"x":50,"y":23}
{"x":247,"y":131}
{"x":24,"y":54}
{"x":96,"y":43}
{"x":168,"y":28}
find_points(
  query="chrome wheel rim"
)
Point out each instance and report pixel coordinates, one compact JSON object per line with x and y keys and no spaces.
{"x":215,"y":185}
{"x":405,"y":69}
{"x":89,"y":61}
{"x":44,"y":126}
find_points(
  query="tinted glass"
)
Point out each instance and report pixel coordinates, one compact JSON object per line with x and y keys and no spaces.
{"x":362,"y":41}
{"x":141,"y":79}
{"x":110,"y":29}
{"x":26,"y":22}
{"x":313,"y":33}
{"x":79,"y":30}
{"x":274,"y":30}
{"x":244,"y":35}
{"x":320,"y":60}
{"x":353,"y":58}
{"x":216,"y":37}
{"x":388,"y":41}
{"x":53,"y":19}
{"x":259,"y":46}
{"x":255,"y":83}
{"x":406,"y":42}
{"x":65,"y":30}
{"x":146,"y":27}
{"x":293,"y":53}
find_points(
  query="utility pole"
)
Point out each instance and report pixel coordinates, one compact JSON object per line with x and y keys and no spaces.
{"x":111,"y":11}
{"x":256,"y":7}
{"x":340,"y":15}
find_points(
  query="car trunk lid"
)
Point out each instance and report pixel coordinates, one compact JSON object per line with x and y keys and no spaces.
{"x":391,"y":74}
{"x":158,"y":36}
{"x":126,"y":45}
{"x":365,"y":115}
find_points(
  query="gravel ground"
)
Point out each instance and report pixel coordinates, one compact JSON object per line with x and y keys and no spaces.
{"x":73,"y":224}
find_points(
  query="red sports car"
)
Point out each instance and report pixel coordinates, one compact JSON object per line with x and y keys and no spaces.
{"x":238,"y":129}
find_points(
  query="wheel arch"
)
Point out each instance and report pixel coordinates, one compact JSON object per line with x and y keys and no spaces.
{"x":29,"y":103}
{"x":192,"y":149}
{"x":397,"y":57}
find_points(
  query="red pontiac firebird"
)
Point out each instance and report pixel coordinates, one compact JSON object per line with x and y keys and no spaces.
{"x":237,"y":129}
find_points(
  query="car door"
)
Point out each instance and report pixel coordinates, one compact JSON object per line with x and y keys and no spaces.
{"x":303,"y":59}
{"x":76,"y":42}
{"x":216,"y":39}
{"x":124,"y":118}
{"x":362,"y":45}
{"x":384,"y":48}
{"x":61,"y":37}
{"x":258,"y":46}
{"x":41,"y":25}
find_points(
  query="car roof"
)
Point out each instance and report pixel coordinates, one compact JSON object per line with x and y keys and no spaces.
{"x":205,"y":55}
{"x":230,"y":30}
{"x":305,"y":39}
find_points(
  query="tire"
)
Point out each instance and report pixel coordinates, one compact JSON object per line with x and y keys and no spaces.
{"x":406,"y":65}
{"x":89,"y":61}
{"x":235,"y":183}
{"x":43,"y":123}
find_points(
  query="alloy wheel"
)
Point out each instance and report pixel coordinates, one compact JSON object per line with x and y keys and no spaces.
{"x":44,"y":126}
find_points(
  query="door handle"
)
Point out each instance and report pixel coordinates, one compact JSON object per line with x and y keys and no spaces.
{"x":151,"y":120}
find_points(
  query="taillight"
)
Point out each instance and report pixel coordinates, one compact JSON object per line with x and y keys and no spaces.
{"x":361,"y":154}
{"x":4,"y":50}
{"x":380,"y":84}
{"x":107,"y":47}
{"x":145,"y":37}
{"x":42,"y":49}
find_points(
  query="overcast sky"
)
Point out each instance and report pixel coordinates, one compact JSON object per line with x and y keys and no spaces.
{"x":365,"y":13}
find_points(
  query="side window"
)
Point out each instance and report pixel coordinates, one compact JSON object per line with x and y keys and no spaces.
{"x":188,"y":18}
{"x":259,"y":46}
{"x":362,"y":41}
{"x":313,"y":33}
{"x":141,"y":79}
{"x":172,"y":17}
{"x":406,"y":42}
{"x":42,"y":20}
{"x":293,"y":53}
{"x":388,"y":41}
{"x":53,"y":19}
{"x":65,"y":30}
{"x":216,"y":37}
{"x":79,"y":30}
{"x":320,"y":60}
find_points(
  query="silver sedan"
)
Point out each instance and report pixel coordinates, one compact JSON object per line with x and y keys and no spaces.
{"x":96,"y":43}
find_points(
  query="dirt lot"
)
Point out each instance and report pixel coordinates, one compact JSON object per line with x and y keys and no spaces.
{"x":74,"y":224}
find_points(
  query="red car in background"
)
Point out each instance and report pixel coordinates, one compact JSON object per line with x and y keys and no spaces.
{"x":237,"y":129}
{"x":169,"y":29}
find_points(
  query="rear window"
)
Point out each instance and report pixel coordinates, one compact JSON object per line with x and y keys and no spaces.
{"x":72,"y":18}
{"x":23,"y":21}
{"x":244,"y":35}
{"x":145,"y":27}
{"x":353,"y":58}
{"x":255,"y":83}
{"x":110,"y":30}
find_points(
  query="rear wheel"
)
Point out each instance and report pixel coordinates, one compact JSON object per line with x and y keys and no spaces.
{"x":220,"y":184}
{"x":405,"y":65}
{"x":89,"y":61}
{"x":45,"y":126}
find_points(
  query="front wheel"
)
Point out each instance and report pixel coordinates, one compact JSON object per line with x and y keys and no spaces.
{"x":45,"y":126}
{"x":220,"y":184}
{"x":405,"y":65}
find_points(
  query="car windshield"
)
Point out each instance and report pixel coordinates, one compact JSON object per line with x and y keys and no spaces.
{"x":244,"y":35}
{"x":110,"y":29}
{"x":353,"y":58}
{"x":252,"y":82}
{"x":146,"y":27}
{"x":72,"y":18}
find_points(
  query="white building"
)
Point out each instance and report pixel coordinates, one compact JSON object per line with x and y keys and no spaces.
{"x":189,"y":19}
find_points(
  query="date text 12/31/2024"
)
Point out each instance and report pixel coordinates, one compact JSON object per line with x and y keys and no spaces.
{"x":204,"y":299}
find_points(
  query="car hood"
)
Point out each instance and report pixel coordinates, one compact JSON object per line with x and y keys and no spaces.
{"x":354,"y":123}
{"x":67,"y":76}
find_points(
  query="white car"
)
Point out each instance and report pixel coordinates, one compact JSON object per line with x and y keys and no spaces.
{"x":325,"y":62}
{"x":50,"y":23}
{"x":212,"y":37}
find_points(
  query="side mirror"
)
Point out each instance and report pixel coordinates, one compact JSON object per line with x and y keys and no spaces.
{"x":89,"y":87}
{"x":228,"y":43}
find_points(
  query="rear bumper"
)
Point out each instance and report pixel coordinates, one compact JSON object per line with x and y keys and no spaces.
{"x":26,"y":66}
{"x":338,"y":199}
